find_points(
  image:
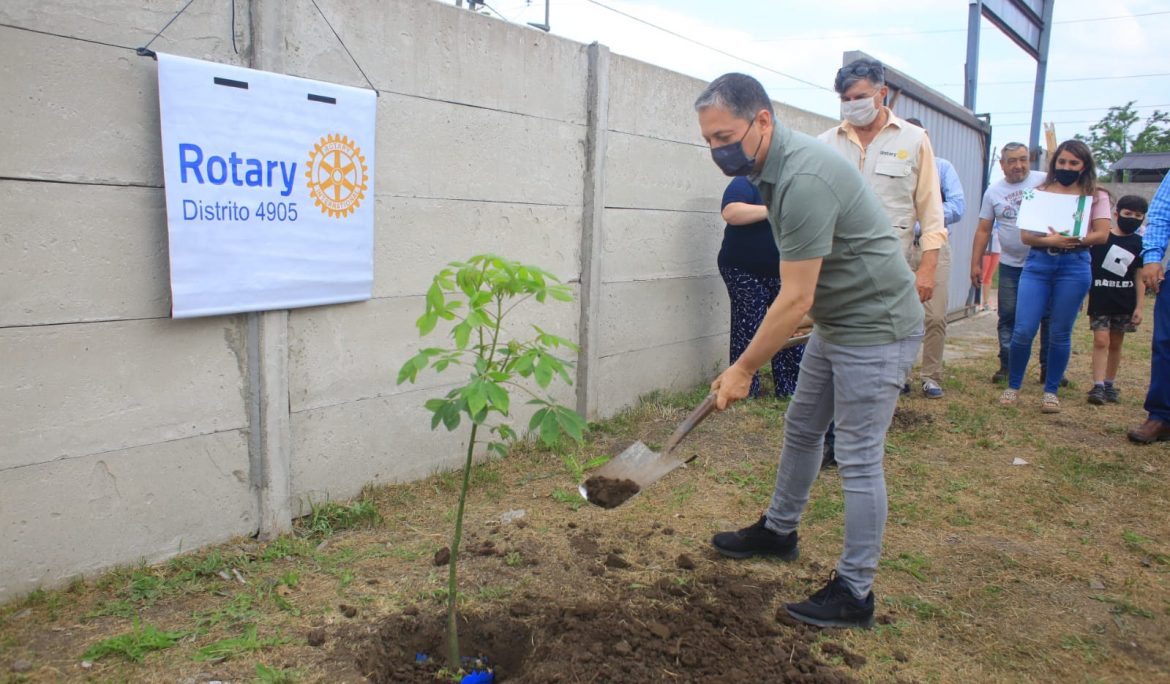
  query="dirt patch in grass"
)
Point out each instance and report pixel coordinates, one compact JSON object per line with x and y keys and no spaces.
{"x":1054,"y":571}
{"x":711,"y":628}
{"x":906,"y":419}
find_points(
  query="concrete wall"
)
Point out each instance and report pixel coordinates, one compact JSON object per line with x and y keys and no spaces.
{"x":123,"y":434}
{"x":126,"y":435}
{"x":1120,"y":190}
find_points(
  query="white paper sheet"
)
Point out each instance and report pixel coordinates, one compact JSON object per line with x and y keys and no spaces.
{"x":1067,"y":214}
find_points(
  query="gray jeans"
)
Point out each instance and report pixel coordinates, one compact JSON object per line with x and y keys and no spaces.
{"x":858,"y":387}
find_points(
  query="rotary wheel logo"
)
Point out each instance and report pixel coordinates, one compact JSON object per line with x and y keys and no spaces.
{"x":337,"y":175}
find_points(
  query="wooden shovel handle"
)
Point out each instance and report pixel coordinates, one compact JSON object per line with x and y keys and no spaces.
{"x":704,"y":409}
{"x":707,"y":407}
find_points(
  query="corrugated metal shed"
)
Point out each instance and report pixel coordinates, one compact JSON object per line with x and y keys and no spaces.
{"x":960,"y":137}
{"x":1142,"y":161}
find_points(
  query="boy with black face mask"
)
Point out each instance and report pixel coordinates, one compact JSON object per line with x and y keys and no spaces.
{"x":1116,"y":296}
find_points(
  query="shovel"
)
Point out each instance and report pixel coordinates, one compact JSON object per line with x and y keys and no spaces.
{"x":639,"y":466}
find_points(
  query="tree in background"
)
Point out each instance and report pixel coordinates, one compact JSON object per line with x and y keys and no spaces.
{"x":1114,"y":135}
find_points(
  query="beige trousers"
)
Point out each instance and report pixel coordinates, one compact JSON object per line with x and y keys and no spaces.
{"x":936,"y":314}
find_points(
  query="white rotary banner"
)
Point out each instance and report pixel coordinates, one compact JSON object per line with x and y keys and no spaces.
{"x":269,"y":186}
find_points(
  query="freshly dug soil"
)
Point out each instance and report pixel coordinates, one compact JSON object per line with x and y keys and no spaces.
{"x":608,"y":492}
{"x":710,"y":629}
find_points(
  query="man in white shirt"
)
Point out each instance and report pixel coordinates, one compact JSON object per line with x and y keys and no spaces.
{"x":1001,"y":204}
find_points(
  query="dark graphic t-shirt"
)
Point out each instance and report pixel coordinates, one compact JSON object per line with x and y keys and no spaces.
{"x":1115,"y":267}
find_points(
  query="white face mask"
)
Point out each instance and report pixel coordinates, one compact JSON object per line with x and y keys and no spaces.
{"x":859,"y":112}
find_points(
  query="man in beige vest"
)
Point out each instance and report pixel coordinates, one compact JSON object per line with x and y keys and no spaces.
{"x":897,"y":160}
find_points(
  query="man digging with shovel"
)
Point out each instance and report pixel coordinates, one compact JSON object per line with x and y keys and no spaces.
{"x":842,"y":265}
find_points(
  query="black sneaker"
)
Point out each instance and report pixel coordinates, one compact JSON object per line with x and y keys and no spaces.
{"x":1000,"y":375}
{"x":1097,"y":395}
{"x":757,"y":540}
{"x":905,"y":389}
{"x":1112,"y":394}
{"x":834,"y":606}
{"x":829,"y":455}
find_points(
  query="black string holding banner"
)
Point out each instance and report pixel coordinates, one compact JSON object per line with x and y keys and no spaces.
{"x":145,"y":50}
{"x":346,"y":48}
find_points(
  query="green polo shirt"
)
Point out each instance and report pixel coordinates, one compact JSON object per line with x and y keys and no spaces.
{"x":820,"y":206}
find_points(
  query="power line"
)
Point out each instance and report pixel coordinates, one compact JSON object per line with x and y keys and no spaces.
{"x":1059,"y":80}
{"x":1079,"y":109}
{"x":713,"y":49}
{"x":936,"y":31}
{"x":498,"y":13}
{"x":1029,"y":123}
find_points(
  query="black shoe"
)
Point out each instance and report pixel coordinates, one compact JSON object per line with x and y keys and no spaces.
{"x":829,"y":456}
{"x":757,"y":540}
{"x":1000,"y":375}
{"x":834,"y":606}
{"x":1097,"y":395}
{"x":1112,"y":394}
{"x":906,"y":389}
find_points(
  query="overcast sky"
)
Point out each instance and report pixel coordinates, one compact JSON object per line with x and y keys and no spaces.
{"x":1102,"y":54}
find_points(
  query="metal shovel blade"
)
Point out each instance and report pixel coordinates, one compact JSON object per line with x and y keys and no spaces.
{"x":639,"y":466}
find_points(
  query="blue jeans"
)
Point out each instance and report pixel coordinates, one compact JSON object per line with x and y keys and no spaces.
{"x":1009,"y":282}
{"x":1158,"y":396}
{"x":860,"y":386}
{"x":1053,"y":285}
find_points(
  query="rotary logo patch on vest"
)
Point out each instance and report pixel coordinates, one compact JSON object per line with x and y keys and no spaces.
{"x":338,"y":175}
{"x":903,"y":155}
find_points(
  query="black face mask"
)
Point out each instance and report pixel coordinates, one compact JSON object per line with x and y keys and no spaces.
{"x":732,"y":160}
{"x":1067,"y":177}
{"x":1128,"y":224}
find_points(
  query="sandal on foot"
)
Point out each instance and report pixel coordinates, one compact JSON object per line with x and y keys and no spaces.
{"x":1050,"y":403}
{"x":1009,"y":397}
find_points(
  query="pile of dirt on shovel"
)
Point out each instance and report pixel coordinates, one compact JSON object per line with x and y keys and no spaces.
{"x":713,"y":629}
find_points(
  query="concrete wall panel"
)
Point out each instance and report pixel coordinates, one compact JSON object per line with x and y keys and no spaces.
{"x":203,"y":31}
{"x":656,"y":313}
{"x":438,"y":51}
{"x":803,"y":121}
{"x":650,"y":101}
{"x":544,"y":235}
{"x":646,"y":173}
{"x":439,"y":150}
{"x":75,"y":390}
{"x":87,"y":514}
{"x":622,"y":378}
{"x":54,"y":104}
{"x":339,"y":354}
{"x":336,"y":452}
{"x":81,"y":253}
{"x":642,"y":245}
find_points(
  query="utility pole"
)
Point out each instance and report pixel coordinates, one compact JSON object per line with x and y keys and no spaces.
{"x":971,"y":75}
{"x":543,"y":27}
{"x":1041,"y":75}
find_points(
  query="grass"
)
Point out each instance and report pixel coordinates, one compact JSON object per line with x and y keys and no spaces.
{"x":135,"y":644}
{"x":272,"y":675}
{"x":1055,"y":571}
{"x":233,"y":647}
{"x":326,"y":519}
{"x":571,"y":499}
